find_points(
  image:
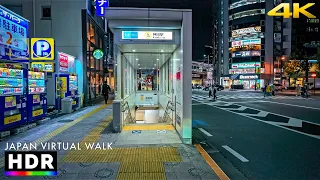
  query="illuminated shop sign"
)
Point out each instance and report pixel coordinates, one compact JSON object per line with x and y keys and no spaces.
{"x":244,"y":3}
{"x":252,"y":12}
{"x":147,"y":35}
{"x":246,"y":42}
{"x":66,"y":63}
{"x":242,"y":71}
{"x":247,"y":36}
{"x":238,"y":32}
{"x":246,"y":53}
{"x":246,"y":65}
{"x":45,"y":66}
{"x":249,"y":77}
{"x":13,"y":36}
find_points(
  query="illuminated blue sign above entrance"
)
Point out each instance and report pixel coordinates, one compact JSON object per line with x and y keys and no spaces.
{"x":130,"y":34}
{"x":147,"y":35}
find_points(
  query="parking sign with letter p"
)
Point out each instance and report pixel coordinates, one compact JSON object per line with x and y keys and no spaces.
{"x":42,"y":49}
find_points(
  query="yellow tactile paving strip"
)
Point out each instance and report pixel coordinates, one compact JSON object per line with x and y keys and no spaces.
{"x":147,"y":127}
{"x":54,"y":133}
{"x":135,"y":163}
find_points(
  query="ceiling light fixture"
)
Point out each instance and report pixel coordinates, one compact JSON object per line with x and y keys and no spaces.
{"x":137,"y":59}
{"x":157,"y":59}
{"x":133,"y":50}
{"x":161,"y":50}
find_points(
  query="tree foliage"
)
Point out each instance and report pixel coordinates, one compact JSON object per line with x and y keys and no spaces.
{"x":317,"y":57}
{"x":293,"y":69}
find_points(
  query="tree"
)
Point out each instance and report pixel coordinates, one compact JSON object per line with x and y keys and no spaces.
{"x":317,"y":57}
{"x":293,"y":69}
{"x":303,"y":58}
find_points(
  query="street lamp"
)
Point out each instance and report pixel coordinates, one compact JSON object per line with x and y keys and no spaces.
{"x":314,"y":75}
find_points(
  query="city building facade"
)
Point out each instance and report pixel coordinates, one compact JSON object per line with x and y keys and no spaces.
{"x":77,"y":32}
{"x":250,"y":44}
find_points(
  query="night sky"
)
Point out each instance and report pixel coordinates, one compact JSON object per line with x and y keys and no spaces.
{"x":201,"y":21}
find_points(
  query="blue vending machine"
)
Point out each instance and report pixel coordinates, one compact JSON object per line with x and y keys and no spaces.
{"x":73,"y":88}
{"x":68,"y":88}
{"x":13,"y":110}
{"x":37,"y":97}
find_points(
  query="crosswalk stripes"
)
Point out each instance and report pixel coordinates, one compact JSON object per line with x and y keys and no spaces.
{"x":258,"y":97}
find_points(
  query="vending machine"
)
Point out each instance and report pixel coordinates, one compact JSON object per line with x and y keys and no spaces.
{"x":37,"y":97}
{"x":13,"y":110}
{"x":73,"y":88}
{"x":68,"y":86}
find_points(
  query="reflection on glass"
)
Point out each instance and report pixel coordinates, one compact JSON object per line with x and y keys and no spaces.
{"x":146,"y":80}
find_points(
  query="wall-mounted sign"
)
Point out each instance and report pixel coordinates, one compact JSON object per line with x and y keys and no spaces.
{"x":46,"y":66}
{"x":13,"y":36}
{"x":244,"y":71}
{"x":249,"y":77}
{"x":100,"y":7}
{"x":66,"y":63}
{"x":42,"y":49}
{"x":98,"y":54}
{"x":238,"y":32}
{"x":246,"y":42}
{"x":247,"y":36}
{"x":246,"y":53}
{"x":147,"y":35}
{"x":246,"y":65}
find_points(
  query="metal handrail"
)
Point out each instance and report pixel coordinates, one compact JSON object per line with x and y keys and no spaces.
{"x":124,"y":108}
{"x":166,"y":114}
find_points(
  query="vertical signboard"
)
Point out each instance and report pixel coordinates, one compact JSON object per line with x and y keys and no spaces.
{"x":63,"y":62}
{"x":100,"y":7}
{"x":66,"y":63}
{"x":13,"y":36}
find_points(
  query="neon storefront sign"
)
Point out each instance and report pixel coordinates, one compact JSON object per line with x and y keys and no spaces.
{"x":238,"y":32}
{"x":244,"y":3}
{"x":245,"y":42}
{"x":246,"y":53}
{"x":249,"y":77}
{"x":246,"y":65}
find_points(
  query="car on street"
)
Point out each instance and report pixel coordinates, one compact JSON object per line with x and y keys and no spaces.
{"x":279,"y":87}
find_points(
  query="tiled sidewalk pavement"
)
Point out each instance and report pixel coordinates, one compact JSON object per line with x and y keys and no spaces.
{"x":68,"y":128}
{"x":149,"y":155}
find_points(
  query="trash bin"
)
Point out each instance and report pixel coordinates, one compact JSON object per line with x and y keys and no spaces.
{"x":66,"y":105}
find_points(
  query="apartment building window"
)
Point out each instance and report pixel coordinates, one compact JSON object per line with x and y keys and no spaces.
{"x":46,"y":12}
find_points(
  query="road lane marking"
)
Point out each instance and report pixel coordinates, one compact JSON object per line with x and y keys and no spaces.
{"x":268,"y":122}
{"x":237,"y":155}
{"x":205,"y":132}
{"x":294,"y":105}
{"x":214,"y":166}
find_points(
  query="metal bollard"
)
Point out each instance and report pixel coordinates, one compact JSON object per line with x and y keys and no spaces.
{"x":116,"y":122}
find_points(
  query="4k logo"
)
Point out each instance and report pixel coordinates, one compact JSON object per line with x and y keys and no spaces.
{"x":296,"y":11}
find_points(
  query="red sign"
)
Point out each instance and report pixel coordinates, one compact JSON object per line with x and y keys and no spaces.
{"x":313,"y":75}
{"x":63,"y":63}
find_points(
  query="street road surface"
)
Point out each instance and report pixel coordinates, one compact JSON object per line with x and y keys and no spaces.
{"x":263,"y":137}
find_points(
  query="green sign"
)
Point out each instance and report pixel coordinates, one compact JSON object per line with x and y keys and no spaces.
{"x":98,"y":54}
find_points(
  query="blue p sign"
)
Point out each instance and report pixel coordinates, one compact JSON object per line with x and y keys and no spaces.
{"x":42,"y":49}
